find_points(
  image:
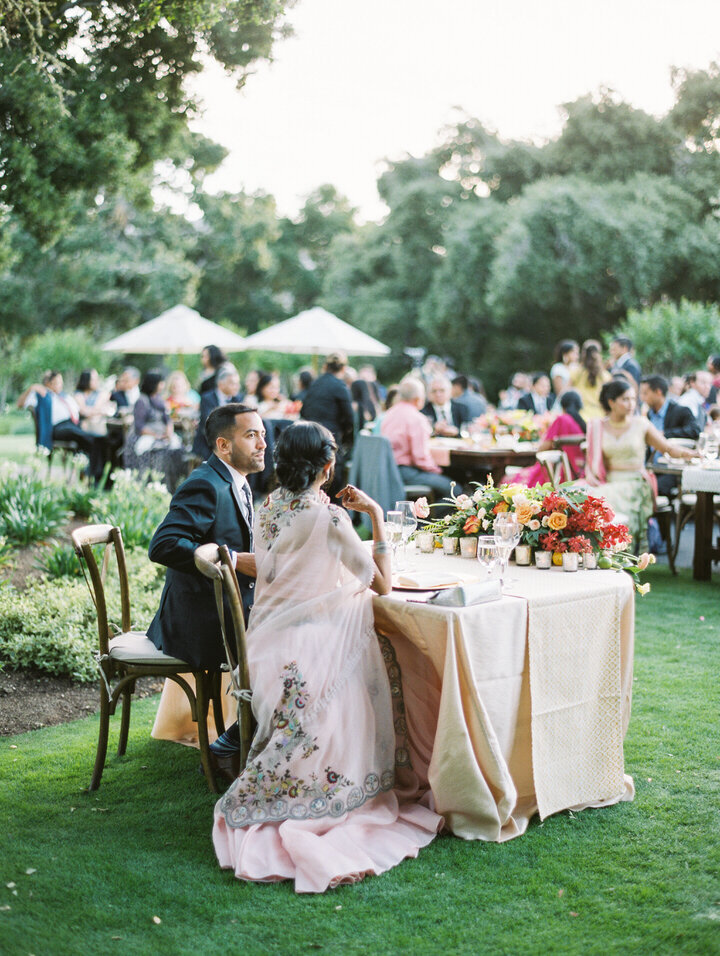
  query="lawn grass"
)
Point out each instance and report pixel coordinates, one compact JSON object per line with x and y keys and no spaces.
{"x":16,"y":447}
{"x":635,"y":878}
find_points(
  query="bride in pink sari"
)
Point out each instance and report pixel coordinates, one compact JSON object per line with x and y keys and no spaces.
{"x":318,"y":801}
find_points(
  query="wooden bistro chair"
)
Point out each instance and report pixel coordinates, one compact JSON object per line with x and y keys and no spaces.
{"x":126,"y":654}
{"x":236,"y":650}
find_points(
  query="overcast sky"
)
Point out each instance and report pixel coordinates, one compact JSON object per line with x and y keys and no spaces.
{"x":363,"y":80}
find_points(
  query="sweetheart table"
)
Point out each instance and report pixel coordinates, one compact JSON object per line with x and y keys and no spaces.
{"x":513,"y":707}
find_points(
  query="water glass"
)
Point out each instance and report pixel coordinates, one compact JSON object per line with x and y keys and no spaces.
{"x":487,"y":553}
{"x":393,"y":531}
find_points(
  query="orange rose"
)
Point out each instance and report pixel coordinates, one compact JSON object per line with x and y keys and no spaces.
{"x":557,"y":521}
{"x":524,"y":512}
{"x":500,"y":507}
{"x":472,"y":525}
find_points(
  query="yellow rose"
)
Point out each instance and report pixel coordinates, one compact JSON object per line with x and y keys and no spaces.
{"x":557,"y":521}
{"x":524,"y":512}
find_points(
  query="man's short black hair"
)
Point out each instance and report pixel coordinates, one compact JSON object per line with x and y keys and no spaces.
{"x":624,"y":341}
{"x":656,"y":382}
{"x":461,"y":382}
{"x":221,"y":421}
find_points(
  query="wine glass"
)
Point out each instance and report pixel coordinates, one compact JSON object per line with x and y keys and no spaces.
{"x":711,"y":448}
{"x":507,"y":530}
{"x":487,"y":553}
{"x":408,"y":524}
{"x":393,"y":532}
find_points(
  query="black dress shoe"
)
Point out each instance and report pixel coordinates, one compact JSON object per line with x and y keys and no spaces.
{"x":226,"y":768}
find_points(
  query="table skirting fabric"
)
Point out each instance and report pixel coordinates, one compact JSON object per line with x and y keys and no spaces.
{"x":513,"y":707}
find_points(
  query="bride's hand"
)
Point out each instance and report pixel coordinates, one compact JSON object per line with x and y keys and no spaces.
{"x":351,"y":497}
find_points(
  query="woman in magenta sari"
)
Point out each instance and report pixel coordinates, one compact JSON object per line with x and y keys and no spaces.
{"x":569,"y":422}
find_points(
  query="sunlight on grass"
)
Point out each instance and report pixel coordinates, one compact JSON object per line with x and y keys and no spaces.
{"x":634,"y":878}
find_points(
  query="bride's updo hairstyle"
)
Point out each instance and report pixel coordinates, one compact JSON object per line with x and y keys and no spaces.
{"x":301,"y":452}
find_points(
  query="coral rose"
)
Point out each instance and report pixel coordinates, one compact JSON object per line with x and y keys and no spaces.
{"x":557,"y":521}
{"x":500,"y":507}
{"x":472,"y":525}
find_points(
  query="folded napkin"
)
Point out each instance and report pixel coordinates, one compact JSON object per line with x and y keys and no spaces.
{"x":426,"y":579}
{"x":478,"y":592}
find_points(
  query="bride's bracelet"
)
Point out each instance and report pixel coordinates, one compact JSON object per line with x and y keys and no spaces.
{"x":381,"y":547}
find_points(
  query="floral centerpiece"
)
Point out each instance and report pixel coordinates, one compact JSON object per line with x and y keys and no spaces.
{"x":522,"y":425}
{"x":559,"y":520}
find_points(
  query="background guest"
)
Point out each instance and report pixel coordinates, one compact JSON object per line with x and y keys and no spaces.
{"x":94,"y":404}
{"x":57,"y":417}
{"x":152,"y":444}
{"x":305,"y":378}
{"x":211,"y":358}
{"x":538,"y":400}
{"x":473,"y":402}
{"x":127,"y":388}
{"x":623,"y":361}
{"x":567,"y":353}
{"x":328,"y":402}
{"x":568,"y":422}
{"x":180,"y":395}
{"x":695,"y":397}
{"x":250,"y":385}
{"x":271,"y":403}
{"x":364,"y":406}
{"x":447,"y":415}
{"x":670,"y":418}
{"x":589,"y":377}
{"x":226,"y":390}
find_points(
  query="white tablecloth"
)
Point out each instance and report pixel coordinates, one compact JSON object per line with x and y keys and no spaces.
{"x":701,"y":479}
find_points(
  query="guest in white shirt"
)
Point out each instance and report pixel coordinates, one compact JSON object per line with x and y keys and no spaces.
{"x":64,"y":420}
{"x":696,"y":395}
{"x":446,"y":414}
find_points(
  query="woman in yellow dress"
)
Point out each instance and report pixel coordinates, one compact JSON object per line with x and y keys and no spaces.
{"x":588,"y":378}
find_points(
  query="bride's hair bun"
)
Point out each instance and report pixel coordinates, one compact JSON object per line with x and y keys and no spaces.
{"x":301,"y":452}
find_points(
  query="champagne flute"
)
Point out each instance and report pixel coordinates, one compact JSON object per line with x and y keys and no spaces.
{"x":408,"y":525}
{"x":393,"y":532}
{"x":487,"y":553}
{"x":507,"y":530}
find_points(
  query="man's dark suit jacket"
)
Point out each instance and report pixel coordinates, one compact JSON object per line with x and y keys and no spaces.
{"x":204,"y":509}
{"x":328,"y":402}
{"x":458,"y":412}
{"x":208,"y":401}
{"x":527,"y":403}
{"x":680,"y":422}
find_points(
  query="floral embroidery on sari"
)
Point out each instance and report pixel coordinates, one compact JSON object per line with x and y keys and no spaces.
{"x":271,"y":792}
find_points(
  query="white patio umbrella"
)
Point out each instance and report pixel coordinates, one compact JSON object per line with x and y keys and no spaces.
{"x":315,"y":332}
{"x":178,"y":331}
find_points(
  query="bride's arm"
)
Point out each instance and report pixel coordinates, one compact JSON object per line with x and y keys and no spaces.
{"x":357,"y":500}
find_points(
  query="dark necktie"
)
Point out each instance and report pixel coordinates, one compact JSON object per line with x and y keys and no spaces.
{"x":246,"y":499}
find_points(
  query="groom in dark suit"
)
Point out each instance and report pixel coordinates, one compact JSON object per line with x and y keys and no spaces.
{"x":212,"y":507}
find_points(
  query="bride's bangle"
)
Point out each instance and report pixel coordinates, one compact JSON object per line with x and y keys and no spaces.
{"x":381,"y":547}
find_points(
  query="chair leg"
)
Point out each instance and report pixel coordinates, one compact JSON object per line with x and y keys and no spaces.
{"x":665,"y":524}
{"x":216,"y":692}
{"x":102,"y":739}
{"x":125,"y":718}
{"x":201,"y":695}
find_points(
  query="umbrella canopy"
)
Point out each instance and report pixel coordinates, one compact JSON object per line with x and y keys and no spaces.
{"x":315,"y":332}
{"x":179,"y":331}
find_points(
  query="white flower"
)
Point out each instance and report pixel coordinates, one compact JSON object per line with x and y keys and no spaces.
{"x":485,"y":524}
{"x":481,"y":512}
{"x":520,"y":499}
{"x":478,"y":496}
{"x":545,"y":520}
{"x":534,"y":524}
{"x":535,"y":507}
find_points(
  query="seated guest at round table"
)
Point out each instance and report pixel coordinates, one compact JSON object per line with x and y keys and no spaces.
{"x":127,"y":388}
{"x":538,"y":399}
{"x":473,"y":401}
{"x":669,"y":417}
{"x":408,"y":431}
{"x":95,"y":406}
{"x":57,"y":417}
{"x":270,"y":402}
{"x":181,"y":397}
{"x":568,"y":422}
{"x":447,"y":415}
{"x":321,"y":694}
{"x":615,"y":460}
{"x":152,"y":443}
